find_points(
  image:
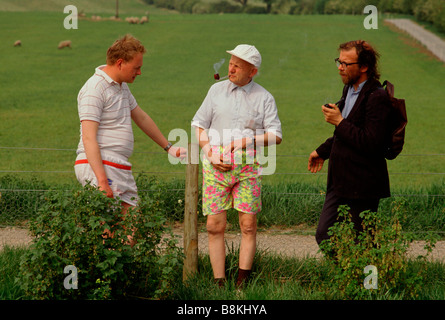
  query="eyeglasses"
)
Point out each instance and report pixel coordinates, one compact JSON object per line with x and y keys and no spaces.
{"x":343,"y":64}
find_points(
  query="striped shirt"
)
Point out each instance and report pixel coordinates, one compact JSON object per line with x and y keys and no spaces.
{"x":103,"y":100}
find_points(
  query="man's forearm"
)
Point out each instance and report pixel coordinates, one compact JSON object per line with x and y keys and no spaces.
{"x":148,"y":126}
{"x":267,"y":139}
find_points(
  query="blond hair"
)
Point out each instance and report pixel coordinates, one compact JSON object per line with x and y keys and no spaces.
{"x":124,"y":48}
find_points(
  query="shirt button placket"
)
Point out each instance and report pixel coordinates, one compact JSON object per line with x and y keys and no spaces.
{"x":237,"y":106}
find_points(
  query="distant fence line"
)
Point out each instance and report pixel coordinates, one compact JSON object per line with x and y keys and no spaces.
{"x":263,"y":192}
{"x":183,"y":172}
{"x":155,"y":152}
{"x":276,"y":173}
{"x":22,"y":203}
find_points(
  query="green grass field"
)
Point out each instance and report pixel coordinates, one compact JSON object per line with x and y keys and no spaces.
{"x":40,"y":85}
{"x":39,"y":128}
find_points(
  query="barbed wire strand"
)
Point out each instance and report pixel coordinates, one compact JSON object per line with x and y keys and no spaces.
{"x":264,"y":192}
{"x":155,"y":152}
{"x":159,"y":172}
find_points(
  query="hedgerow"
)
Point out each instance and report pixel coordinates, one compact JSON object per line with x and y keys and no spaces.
{"x":87,"y":230}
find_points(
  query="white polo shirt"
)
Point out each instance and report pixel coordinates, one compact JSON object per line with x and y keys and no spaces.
{"x":103,"y":100}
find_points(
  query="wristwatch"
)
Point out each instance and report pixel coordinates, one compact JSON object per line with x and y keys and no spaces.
{"x":168,"y":146}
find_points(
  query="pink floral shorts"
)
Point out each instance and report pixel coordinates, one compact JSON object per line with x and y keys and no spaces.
{"x":239,"y":188}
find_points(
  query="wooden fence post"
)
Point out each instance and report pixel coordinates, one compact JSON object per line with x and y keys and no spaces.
{"x":190,"y":212}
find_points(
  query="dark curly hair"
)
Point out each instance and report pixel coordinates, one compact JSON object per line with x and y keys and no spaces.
{"x":367,"y":56}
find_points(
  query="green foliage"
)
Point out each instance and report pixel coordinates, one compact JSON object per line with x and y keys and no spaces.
{"x":432,"y":11}
{"x":381,"y":244}
{"x":286,"y":204}
{"x":87,"y":230}
{"x":9,"y":264}
{"x":198,"y":6}
{"x":20,"y":198}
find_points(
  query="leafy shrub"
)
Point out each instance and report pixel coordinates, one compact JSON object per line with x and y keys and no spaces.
{"x":170,"y":194}
{"x":225,"y":6}
{"x":255,"y":9}
{"x":381,"y":244}
{"x":403,"y":6}
{"x":186,"y":6}
{"x":70,"y":230}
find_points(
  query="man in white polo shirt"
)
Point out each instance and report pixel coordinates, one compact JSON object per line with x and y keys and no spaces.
{"x":106,"y":108}
{"x":236,"y":115}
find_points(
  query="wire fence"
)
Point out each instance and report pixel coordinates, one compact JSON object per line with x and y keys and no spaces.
{"x":20,"y":197}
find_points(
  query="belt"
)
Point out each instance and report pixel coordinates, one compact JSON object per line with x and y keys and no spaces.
{"x":107,"y":163}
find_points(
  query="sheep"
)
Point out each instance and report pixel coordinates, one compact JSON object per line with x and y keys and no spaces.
{"x":18,"y":43}
{"x":136,"y":20}
{"x":63,"y":44}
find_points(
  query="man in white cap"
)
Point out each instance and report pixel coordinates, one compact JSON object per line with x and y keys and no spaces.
{"x":236,"y":117}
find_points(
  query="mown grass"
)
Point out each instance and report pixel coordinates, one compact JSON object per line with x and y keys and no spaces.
{"x":40,"y":86}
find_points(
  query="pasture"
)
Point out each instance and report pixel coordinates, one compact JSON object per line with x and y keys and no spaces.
{"x":40,"y":85}
{"x":39,"y":131}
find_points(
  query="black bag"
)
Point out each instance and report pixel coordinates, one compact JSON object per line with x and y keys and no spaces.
{"x":398,"y":123}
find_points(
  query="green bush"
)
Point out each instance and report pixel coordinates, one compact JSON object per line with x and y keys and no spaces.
{"x":185,"y":6}
{"x":381,"y":244}
{"x":403,"y":6}
{"x":70,"y":230}
{"x":255,"y":9}
{"x":225,"y":7}
{"x":345,"y":6}
{"x":439,"y":16}
{"x":167,"y":4}
{"x":308,"y":7}
{"x":169,"y":194}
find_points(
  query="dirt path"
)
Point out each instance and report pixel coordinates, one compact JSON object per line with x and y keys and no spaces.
{"x":432,"y":42}
{"x":284,"y":242}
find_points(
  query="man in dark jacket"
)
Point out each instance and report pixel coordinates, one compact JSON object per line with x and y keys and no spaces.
{"x":357,"y":171}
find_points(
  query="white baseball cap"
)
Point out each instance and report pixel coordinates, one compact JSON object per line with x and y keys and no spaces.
{"x":247,"y":53}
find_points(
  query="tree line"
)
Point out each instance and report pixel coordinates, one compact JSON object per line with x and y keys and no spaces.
{"x":432,"y":11}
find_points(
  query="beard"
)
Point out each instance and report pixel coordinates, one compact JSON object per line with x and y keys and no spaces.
{"x":350,"y":79}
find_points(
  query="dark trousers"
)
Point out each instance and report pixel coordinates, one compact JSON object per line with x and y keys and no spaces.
{"x":329,"y":214}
